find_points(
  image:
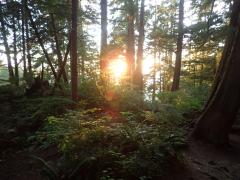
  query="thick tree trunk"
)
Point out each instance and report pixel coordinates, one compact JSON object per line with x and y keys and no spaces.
{"x":177,"y":70}
{"x":74,"y":71}
{"x":6,"y":46}
{"x":138,"y":73}
{"x":130,"y":54}
{"x":218,"y":116}
{"x":103,"y":60}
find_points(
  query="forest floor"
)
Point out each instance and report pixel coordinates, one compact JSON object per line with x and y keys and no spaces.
{"x":202,"y":161}
{"x":208,"y":162}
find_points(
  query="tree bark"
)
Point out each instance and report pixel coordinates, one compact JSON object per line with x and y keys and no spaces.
{"x":74,"y":71}
{"x":217,"y":118}
{"x":138,"y":73}
{"x":104,"y":33}
{"x":177,"y":69}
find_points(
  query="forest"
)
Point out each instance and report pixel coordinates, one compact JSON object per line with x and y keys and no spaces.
{"x":119,"y":89}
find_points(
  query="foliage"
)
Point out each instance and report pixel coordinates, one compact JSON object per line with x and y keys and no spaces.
{"x":24,"y":115}
{"x":89,"y":91}
{"x":127,"y":99}
{"x":127,"y":146}
{"x":185,"y":100}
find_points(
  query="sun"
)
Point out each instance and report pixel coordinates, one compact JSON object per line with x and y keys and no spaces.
{"x":117,"y":68}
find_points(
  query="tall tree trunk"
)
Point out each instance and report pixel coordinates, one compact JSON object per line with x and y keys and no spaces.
{"x":16,"y":78}
{"x":74,"y":71}
{"x":23,"y":40}
{"x":29,"y":58}
{"x":5,"y":43}
{"x":219,"y":114}
{"x":130,"y":54}
{"x":138,"y":73}
{"x":177,"y":69}
{"x":104,"y":33}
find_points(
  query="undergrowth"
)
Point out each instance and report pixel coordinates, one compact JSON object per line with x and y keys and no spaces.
{"x":130,"y":146}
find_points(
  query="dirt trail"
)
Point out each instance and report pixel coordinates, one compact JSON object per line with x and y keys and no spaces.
{"x":207,"y":162}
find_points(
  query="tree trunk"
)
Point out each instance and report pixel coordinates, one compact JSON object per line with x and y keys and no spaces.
{"x":138,"y":73}
{"x":103,"y":60}
{"x":5,"y":43}
{"x":23,"y":40}
{"x":177,"y":70}
{"x":74,"y":72}
{"x":29,"y":59}
{"x":16,"y":78}
{"x":219,"y":114}
{"x":130,"y":54}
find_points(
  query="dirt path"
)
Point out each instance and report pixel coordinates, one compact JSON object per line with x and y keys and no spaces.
{"x":207,"y":162}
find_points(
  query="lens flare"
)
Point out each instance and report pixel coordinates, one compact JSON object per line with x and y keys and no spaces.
{"x":117,"y":69}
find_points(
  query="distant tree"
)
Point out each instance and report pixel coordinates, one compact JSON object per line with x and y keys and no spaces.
{"x":23,"y":18}
{"x":74,"y":62}
{"x":138,"y":72}
{"x":177,"y":69}
{"x":104,"y":34}
{"x":130,"y":53}
{"x":203,"y":41}
{"x":5,"y":42}
{"x":217,"y":118}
